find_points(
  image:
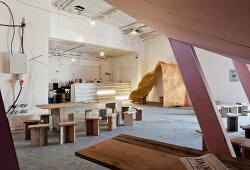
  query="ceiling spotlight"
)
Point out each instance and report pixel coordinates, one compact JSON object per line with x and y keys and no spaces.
{"x":92,"y":22}
{"x":73,"y":60}
{"x":134,"y":32}
{"x":79,"y":9}
{"x":102,"y":54}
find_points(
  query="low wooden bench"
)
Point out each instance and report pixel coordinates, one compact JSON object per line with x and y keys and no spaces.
{"x":27,"y":123}
{"x":241,"y":142}
{"x":92,"y":125}
{"x":39,"y":134}
{"x":67,"y":132}
{"x":111,"y":121}
{"x":246,"y":128}
{"x":138,"y":115}
{"x":128,"y":118}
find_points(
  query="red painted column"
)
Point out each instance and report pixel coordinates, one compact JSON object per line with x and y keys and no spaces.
{"x":8,"y":159}
{"x":204,"y":105}
{"x":244,"y":75}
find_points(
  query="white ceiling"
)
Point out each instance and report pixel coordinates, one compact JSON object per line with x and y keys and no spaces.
{"x":99,"y":9}
{"x":59,"y":46}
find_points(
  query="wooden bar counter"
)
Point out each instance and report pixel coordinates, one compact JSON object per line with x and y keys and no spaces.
{"x":129,"y":152}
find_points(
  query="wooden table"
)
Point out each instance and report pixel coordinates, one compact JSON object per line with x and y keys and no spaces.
{"x":246,"y":128}
{"x":60,"y":111}
{"x":129,"y":152}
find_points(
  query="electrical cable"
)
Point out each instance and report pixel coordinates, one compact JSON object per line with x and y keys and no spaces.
{"x":13,"y":25}
{"x":12,"y":106}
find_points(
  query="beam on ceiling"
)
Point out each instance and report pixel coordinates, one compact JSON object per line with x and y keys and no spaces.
{"x":199,"y":23}
{"x":204,"y":105}
{"x":244,"y":76}
{"x":102,"y":16}
{"x":64,"y":3}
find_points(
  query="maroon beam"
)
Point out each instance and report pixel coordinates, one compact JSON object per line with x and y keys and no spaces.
{"x":244,"y":75}
{"x":8,"y":159}
{"x":204,"y":105}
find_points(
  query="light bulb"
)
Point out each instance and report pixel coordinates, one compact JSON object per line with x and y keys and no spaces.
{"x":92,"y":22}
{"x":73,"y":60}
{"x":134,"y":32}
{"x":102,"y":54}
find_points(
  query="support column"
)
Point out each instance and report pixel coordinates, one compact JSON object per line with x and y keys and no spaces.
{"x":244,"y":75}
{"x":8,"y":159}
{"x":204,"y":105}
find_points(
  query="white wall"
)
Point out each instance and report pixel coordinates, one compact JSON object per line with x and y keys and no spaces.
{"x":216,"y":69}
{"x":125,"y":69}
{"x":35,"y":87}
{"x":86,"y":67}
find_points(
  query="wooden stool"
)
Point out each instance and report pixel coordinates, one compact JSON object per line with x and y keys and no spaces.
{"x":138,"y":115}
{"x":232,"y":122}
{"x":39,"y":134}
{"x":45,"y":118}
{"x":27,"y":130}
{"x":110,"y":105}
{"x":245,"y":150}
{"x":124,"y":109}
{"x":92,"y":125}
{"x":87,"y":113}
{"x":67,"y":132}
{"x":128,"y":118}
{"x":246,"y":128}
{"x":111,"y":121}
{"x":236,"y":142}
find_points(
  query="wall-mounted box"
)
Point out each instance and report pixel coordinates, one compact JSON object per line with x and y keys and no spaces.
{"x":15,"y":63}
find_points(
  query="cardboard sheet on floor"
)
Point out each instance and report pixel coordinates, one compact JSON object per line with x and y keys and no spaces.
{"x":174,"y":90}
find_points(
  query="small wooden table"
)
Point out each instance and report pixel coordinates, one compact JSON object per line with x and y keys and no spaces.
{"x":92,"y":125}
{"x":111,"y":121}
{"x":128,"y":118}
{"x":134,"y":153}
{"x":26,"y":129}
{"x":67,"y":132}
{"x":246,"y":128}
{"x":39,"y":134}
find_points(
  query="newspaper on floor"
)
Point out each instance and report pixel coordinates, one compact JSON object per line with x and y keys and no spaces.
{"x":205,"y":162}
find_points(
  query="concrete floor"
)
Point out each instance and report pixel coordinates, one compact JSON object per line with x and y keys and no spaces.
{"x":175,"y":125}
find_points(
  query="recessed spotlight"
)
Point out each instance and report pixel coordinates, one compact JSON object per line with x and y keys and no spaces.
{"x":102,"y":54}
{"x":134,"y":32}
{"x":92,"y":22}
{"x":73,"y":60}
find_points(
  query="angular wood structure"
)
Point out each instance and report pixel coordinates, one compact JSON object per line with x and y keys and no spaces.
{"x":39,"y":134}
{"x":204,"y":105}
{"x":218,"y":26}
{"x":26,"y":127}
{"x":244,"y":75}
{"x":112,"y":120}
{"x":8,"y":158}
{"x":92,"y":125}
{"x":67,"y":132}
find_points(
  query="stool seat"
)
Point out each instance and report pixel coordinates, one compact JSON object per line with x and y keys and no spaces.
{"x":39,"y":134}
{"x":67,"y":132}
{"x":27,"y":123}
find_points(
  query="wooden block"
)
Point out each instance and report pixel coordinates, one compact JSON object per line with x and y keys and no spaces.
{"x":71,"y":117}
{"x":92,"y":125}
{"x":128,"y":118}
{"x":27,"y":123}
{"x":71,"y":134}
{"x":232,"y":122}
{"x":45,"y":118}
{"x":39,"y":134}
{"x":67,"y":132}
{"x":111,"y":121}
{"x":245,"y":150}
{"x":96,"y":127}
{"x":138,"y":115}
{"x":247,"y":130}
{"x":124,"y":109}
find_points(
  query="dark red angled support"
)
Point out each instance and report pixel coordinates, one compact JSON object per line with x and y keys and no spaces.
{"x":204,"y":105}
{"x":244,"y":75}
{"x":8,"y":159}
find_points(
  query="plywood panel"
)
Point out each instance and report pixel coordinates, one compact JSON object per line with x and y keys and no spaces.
{"x":218,"y":26}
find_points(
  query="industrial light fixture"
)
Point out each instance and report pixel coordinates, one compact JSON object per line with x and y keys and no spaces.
{"x":102,"y":54}
{"x":79,"y":9}
{"x":134,"y":32}
{"x":92,"y":22}
{"x":103,"y":92}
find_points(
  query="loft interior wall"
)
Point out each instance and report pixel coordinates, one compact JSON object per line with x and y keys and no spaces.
{"x":125,"y":69}
{"x":216,"y":69}
{"x":35,"y":87}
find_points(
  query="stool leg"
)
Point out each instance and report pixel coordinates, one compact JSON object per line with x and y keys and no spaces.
{"x":71,"y":134}
{"x":62,"y":135}
{"x":96,"y":127}
{"x":237,"y":150}
{"x":245,"y":153}
{"x":27,"y":132}
{"x":89,"y":127}
{"x":35,"y":137}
